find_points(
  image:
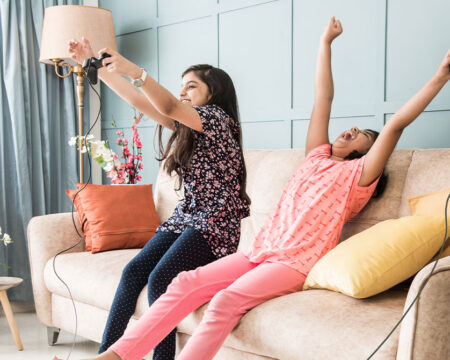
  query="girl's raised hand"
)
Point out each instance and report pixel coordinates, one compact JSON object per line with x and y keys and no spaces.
{"x":332,"y":30}
{"x":120,"y":65}
{"x":80,"y":51}
{"x":443,"y":72}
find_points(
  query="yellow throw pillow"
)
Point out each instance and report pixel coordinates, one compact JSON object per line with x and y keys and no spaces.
{"x":432,"y":204}
{"x":378,"y":258}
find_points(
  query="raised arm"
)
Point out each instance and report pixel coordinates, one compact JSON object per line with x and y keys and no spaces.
{"x":161,"y":98}
{"x":324,"y":90}
{"x":383,"y":147}
{"x":121,"y":86}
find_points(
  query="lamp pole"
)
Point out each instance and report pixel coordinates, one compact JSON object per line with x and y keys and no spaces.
{"x":77,"y":70}
{"x":80,"y":95}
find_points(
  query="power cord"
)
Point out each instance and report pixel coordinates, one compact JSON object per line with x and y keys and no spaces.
{"x":423,"y":285}
{"x":73,"y":217}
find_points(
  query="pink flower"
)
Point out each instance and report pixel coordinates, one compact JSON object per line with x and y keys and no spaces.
{"x":127,"y":171}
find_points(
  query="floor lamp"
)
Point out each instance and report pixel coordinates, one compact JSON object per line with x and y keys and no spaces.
{"x":66,"y":22}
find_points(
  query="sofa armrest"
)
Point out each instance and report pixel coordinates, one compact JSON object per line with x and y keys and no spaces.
{"x":48,"y":235}
{"x":425,"y":329}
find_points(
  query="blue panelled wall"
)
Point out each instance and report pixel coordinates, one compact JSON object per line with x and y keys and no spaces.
{"x":388,"y":50}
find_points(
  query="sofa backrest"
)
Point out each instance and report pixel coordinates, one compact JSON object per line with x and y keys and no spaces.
{"x":429,"y":171}
{"x":410,"y":173}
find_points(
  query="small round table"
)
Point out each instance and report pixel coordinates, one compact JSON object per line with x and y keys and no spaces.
{"x":5,"y":284}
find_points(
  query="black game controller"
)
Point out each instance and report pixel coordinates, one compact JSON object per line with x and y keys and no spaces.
{"x":91,"y":66}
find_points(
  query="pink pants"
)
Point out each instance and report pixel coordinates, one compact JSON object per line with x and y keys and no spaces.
{"x":233,"y":284}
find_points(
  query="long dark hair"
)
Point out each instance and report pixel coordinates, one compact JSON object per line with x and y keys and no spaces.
{"x":357,"y":155}
{"x":180,"y":147}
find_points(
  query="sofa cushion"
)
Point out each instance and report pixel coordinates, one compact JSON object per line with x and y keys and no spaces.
{"x":429,"y":171}
{"x":280,"y":327}
{"x":380,"y":257}
{"x":386,"y":206}
{"x":92,"y":278}
{"x":268,"y":171}
{"x":165,"y":194}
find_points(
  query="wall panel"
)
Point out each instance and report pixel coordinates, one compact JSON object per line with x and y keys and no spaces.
{"x":140,"y":48}
{"x":429,"y":130}
{"x":254,"y":48}
{"x":417,"y":41}
{"x":181,"y":10}
{"x":354,"y":59}
{"x":182,"y":45}
{"x":265,"y":135}
{"x":130,"y":16}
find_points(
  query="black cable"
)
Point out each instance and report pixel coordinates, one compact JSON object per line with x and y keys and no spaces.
{"x":87,"y":145}
{"x":422,"y":286}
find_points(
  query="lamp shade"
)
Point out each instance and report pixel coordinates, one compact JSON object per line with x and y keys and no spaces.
{"x":67,"y":22}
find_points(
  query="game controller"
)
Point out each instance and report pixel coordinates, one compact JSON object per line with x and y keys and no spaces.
{"x":91,"y":66}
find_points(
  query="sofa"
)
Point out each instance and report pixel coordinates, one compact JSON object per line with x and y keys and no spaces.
{"x":308,"y":325}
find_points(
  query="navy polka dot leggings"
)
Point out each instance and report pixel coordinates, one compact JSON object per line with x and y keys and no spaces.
{"x":162,"y":259}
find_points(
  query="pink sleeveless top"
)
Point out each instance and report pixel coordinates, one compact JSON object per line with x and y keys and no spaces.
{"x":318,"y":199}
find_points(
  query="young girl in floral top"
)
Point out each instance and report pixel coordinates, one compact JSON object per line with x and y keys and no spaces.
{"x":329,"y":187}
{"x":205,"y":151}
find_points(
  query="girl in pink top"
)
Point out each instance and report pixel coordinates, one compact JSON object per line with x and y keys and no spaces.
{"x":329,"y":187}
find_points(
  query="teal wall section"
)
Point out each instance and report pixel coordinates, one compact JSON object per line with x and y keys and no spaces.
{"x":389,"y":49}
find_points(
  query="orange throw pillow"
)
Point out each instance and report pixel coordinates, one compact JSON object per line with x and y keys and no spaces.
{"x":116,"y":216}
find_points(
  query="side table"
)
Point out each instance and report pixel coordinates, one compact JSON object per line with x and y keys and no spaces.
{"x":5,"y":284}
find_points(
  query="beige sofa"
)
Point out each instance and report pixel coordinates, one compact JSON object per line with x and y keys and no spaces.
{"x":314,"y":324}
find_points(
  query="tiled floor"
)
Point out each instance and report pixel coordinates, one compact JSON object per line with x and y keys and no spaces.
{"x":34,"y":339}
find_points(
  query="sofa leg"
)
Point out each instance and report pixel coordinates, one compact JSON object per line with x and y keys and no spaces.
{"x":52,"y":335}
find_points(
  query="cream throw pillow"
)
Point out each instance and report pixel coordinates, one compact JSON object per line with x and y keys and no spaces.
{"x":432,"y":204}
{"x":378,"y":258}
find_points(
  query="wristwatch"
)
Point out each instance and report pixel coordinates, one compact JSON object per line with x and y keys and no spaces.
{"x":139,"y":82}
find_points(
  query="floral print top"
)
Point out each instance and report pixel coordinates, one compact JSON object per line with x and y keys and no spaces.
{"x":212,"y":184}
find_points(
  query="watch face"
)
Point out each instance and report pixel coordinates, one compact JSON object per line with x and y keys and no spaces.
{"x":137,"y":82}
